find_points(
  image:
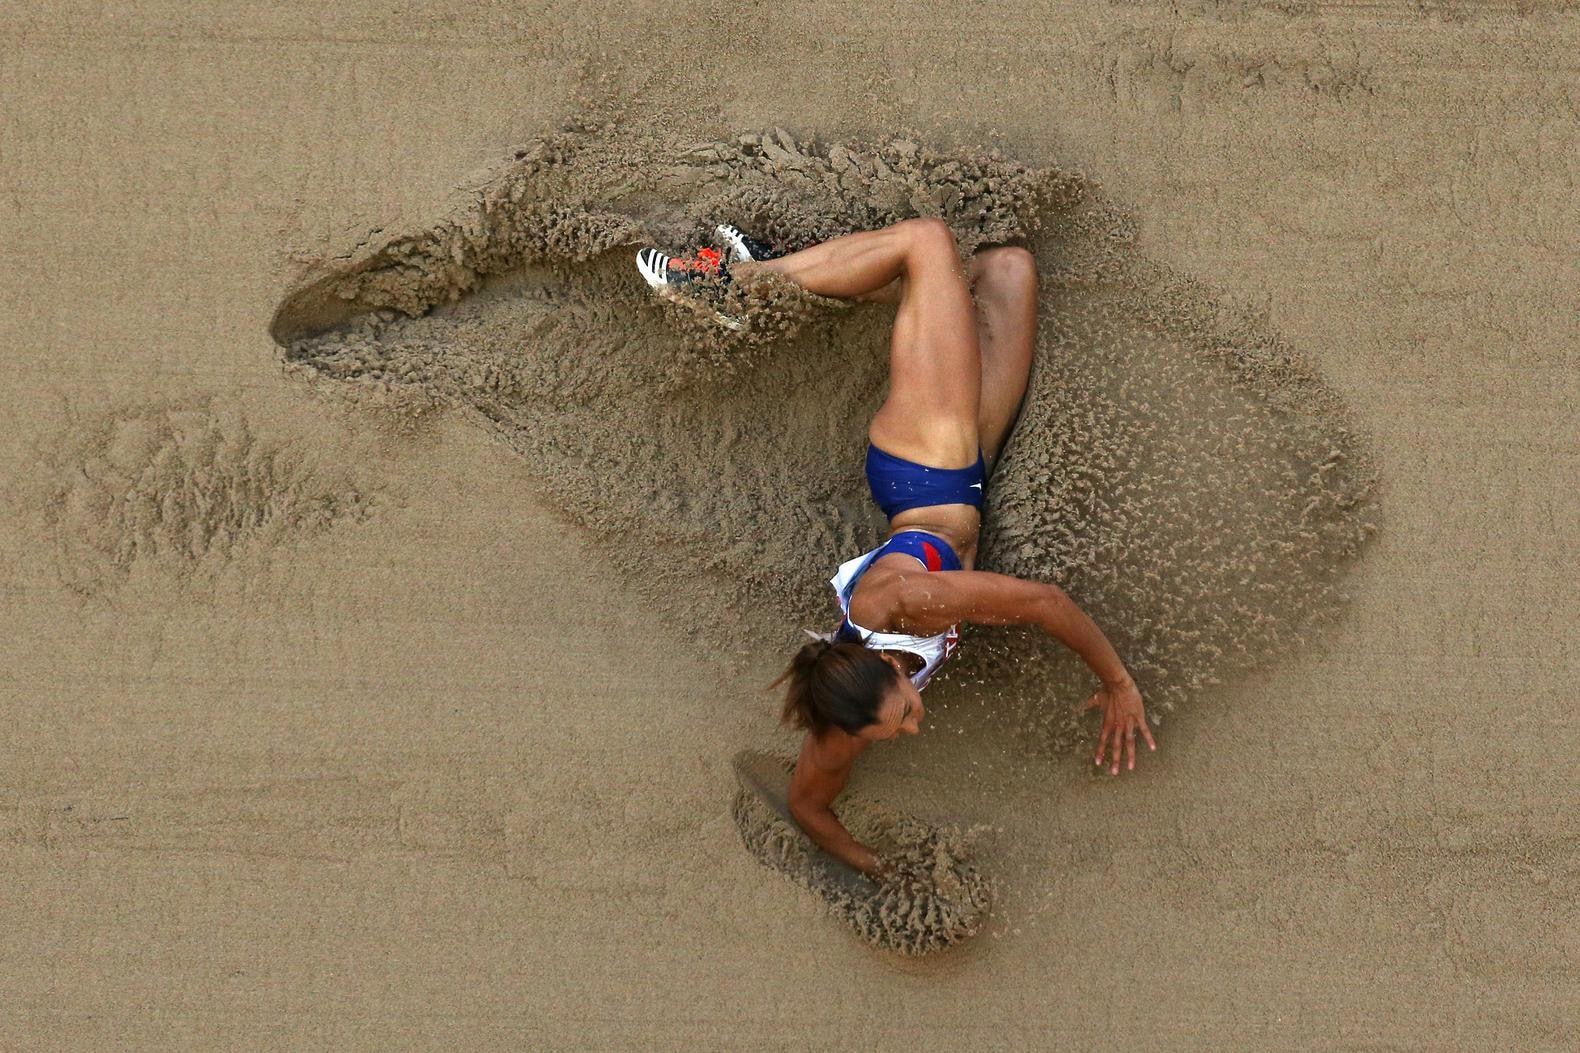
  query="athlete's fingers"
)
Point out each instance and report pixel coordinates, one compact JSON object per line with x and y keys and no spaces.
{"x":1130,"y":750}
{"x":1148,"y":733}
{"x":1118,"y":740}
{"x":1102,"y":741}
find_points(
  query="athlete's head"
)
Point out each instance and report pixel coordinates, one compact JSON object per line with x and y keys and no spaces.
{"x":861,"y":692}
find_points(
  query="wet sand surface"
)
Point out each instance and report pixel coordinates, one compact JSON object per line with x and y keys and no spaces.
{"x":337,"y":722}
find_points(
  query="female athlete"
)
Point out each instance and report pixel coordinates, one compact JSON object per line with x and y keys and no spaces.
{"x":958,"y":373}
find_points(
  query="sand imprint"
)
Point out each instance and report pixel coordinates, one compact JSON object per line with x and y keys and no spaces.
{"x":181,"y":490}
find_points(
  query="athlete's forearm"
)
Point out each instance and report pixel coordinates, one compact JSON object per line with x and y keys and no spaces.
{"x":1067,"y":623}
{"x":829,"y":834}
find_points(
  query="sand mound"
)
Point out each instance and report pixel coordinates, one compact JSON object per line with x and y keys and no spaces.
{"x":939,"y":898}
{"x":182,"y":490}
{"x":1177,"y":468}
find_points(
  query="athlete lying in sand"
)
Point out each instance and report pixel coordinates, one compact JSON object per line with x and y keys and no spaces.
{"x":958,"y":372}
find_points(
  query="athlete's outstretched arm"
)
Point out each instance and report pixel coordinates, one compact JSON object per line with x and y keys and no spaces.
{"x":929,"y":602}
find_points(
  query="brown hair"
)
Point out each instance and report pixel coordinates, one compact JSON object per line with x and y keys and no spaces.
{"x":835,"y":685}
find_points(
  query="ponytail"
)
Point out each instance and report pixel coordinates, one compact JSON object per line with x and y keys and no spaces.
{"x":834,"y":685}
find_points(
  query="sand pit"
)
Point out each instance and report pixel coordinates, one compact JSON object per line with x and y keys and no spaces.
{"x":939,"y":899}
{"x":443,"y":779}
{"x":1177,"y":468}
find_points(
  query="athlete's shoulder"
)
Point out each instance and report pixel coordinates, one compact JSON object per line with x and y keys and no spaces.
{"x":833,"y":752}
{"x":873,"y":602}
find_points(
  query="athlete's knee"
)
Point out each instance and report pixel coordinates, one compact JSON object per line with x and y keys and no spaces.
{"x":929,"y":237}
{"x":1007,"y":270}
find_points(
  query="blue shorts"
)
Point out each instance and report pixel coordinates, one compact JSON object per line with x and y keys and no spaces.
{"x":899,"y":485}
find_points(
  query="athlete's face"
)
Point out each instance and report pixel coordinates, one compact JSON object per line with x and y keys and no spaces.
{"x":901,"y":712}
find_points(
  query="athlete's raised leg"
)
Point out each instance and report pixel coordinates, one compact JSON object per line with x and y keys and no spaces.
{"x":1004,"y":286}
{"x":935,"y":379}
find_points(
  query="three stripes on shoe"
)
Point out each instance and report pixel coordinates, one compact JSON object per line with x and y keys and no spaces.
{"x":670,"y":274}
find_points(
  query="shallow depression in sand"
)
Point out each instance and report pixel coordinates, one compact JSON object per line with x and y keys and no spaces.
{"x":1177,"y":468}
{"x":181,"y":490}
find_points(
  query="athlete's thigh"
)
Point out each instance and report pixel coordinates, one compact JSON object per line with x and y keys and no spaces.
{"x":935,"y":364}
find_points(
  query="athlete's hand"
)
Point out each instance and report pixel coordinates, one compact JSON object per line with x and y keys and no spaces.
{"x":1123,"y":716}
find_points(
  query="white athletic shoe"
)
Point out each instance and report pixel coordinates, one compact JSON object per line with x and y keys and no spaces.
{"x":743,"y":247}
{"x":688,"y":279}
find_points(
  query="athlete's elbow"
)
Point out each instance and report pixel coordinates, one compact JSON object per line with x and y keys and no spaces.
{"x":806,"y":812}
{"x":803,"y":808}
{"x":1050,"y":606}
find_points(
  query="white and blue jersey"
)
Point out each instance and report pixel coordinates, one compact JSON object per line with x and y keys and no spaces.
{"x":932,"y":552}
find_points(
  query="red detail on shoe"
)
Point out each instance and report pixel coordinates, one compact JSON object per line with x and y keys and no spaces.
{"x":934,"y":560}
{"x":707,"y":262}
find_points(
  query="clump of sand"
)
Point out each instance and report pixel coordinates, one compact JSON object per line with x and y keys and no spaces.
{"x":180,"y":489}
{"x":1178,"y":469}
{"x":938,"y":898}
